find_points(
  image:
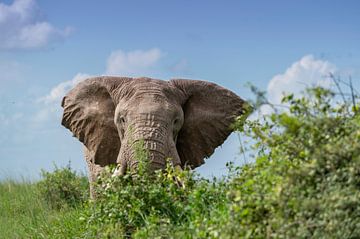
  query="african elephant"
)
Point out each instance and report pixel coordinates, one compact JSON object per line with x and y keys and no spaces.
{"x":184,"y":120}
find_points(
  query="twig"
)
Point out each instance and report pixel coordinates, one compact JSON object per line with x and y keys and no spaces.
{"x":347,"y":84}
{"x":352,"y":94}
{"x":338,"y":86}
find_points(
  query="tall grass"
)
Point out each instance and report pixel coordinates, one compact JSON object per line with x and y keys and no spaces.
{"x":25,"y":211}
{"x":21,"y":209}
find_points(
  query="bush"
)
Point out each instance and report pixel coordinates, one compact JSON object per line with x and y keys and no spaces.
{"x":304,"y":183}
{"x":138,"y":205}
{"x":63,"y":187}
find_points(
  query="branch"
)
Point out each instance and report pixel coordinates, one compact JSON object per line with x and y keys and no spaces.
{"x":352,"y":94}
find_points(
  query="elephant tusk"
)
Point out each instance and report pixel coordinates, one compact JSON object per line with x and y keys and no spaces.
{"x":116,"y":173}
{"x":120,"y":170}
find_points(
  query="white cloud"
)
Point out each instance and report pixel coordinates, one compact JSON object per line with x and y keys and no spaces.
{"x":22,"y":27}
{"x":52,"y":101}
{"x":306,"y":72}
{"x":133,"y":63}
{"x":119,"y":62}
{"x":61,"y":89}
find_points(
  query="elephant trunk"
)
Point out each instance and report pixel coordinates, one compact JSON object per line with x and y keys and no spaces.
{"x":156,"y":157}
{"x":153,"y":139}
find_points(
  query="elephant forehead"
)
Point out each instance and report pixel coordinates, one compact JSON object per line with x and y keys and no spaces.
{"x":146,"y":108}
{"x":152,"y":118}
{"x":160,"y":110}
{"x":148,"y":101}
{"x":152,"y":95}
{"x":154,"y":87}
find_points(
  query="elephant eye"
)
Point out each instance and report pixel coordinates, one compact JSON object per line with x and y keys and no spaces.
{"x":120,"y":126}
{"x":121,"y":120}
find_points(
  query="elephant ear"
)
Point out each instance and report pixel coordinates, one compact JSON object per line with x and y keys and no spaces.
{"x":89,"y":115}
{"x":209,"y":111}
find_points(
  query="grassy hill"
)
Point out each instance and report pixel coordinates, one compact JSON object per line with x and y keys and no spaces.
{"x":304,"y":183}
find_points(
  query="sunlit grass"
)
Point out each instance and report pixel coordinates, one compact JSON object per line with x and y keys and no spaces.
{"x":24,"y":213}
{"x":20,"y":208}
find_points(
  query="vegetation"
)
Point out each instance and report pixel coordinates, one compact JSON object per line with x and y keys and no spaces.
{"x":304,"y":182}
{"x":63,"y":188}
{"x":41,"y":210}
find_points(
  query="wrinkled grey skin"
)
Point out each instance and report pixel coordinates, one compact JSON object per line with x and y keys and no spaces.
{"x":184,"y":120}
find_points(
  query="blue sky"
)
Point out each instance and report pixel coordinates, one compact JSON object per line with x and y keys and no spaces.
{"x":45,"y":48}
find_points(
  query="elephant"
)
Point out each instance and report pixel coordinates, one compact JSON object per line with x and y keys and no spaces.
{"x":181,"y":120}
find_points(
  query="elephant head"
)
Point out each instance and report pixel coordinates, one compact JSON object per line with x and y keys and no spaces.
{"x":184,"y":120}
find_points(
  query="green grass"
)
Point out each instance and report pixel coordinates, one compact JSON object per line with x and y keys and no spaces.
{"x":20,"y":209}
{"x":24,"y":213}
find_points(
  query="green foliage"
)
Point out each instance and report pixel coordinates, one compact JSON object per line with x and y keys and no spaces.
{"x":63,"y":187}
{"x":139,"y":204}
{"x":20,"y":208}
{"x":24,"y":213}
{"x":304,"y":183}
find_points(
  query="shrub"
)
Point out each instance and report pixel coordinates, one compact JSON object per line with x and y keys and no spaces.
{"x":138,"y":206}
{"x":304,"y":183}
{"x":63,"y":187}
